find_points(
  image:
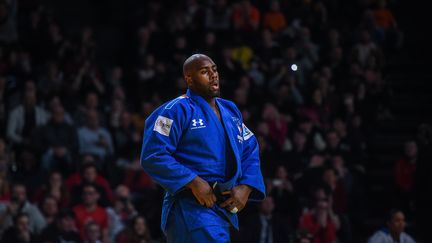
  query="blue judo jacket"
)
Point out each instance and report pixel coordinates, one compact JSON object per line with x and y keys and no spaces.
{"x":183,"y":139}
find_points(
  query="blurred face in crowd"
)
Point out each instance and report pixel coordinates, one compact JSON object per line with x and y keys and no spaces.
{"x":55,"y":179}
{"x":411,"y":149}
{"x":321,"y":200}
{"x":58,"y":115}
{"x":92,"y":101}
{"x":125,"y":119}
{"x":92,"y":119}
{"x":330,"y":177}
{"x":317,"y":97}
{"x":339,"y":126}
{"x":333,"y":139}
{"x":19,"y":193}
{"x":281,"y":173}
{"x":23,"y":223}
{"x":397,"y":223}
{"x":140,"y":226}
{"x":93,"y":232}
{"x":90,"y":196}
{"x":90,"y":174}
{"x":50,"y":207}
{"x":299,"y":139}
{"x":122,"y":191}
{"x":67,"y":224}
{"x":201,"y":75}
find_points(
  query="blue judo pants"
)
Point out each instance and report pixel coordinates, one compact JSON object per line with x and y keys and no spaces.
{"x":177,"y":231}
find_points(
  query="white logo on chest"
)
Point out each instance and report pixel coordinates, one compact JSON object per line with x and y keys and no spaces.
{"x":197,"y":123}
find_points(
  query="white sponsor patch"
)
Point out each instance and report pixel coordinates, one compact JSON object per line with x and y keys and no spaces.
{"x":163,"y":125}
{"x":197,"y":123}
{"x":246,"y":132}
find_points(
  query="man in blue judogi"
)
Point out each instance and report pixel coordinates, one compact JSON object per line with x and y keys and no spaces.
{"x":200,"y":151}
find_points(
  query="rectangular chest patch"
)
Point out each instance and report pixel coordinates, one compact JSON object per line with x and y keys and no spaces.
{"x":163,"y":125}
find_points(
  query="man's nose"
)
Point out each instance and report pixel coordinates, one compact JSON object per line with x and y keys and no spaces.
{"x":213,"y":75}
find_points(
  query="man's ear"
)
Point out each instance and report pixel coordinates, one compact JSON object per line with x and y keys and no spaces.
{"x":188,"y":80}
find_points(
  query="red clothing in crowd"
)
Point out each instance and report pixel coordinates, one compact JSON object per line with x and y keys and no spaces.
{"x":404,"y":174}
{"x":5,"y":197}
{"x":76,"y":180}
{"x":82,"y":217}
{"x":320,"y":234}
{"x":137,"y":181}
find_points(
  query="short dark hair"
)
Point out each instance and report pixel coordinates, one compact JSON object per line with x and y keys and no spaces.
{"x":391,"y":213}
{"x":18,"y":216}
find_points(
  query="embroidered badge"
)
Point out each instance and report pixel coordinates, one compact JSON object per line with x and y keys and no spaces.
{"x":163,"y":125}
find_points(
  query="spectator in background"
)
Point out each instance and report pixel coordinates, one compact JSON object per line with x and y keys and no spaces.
{"x":136,"y":232}
{"x":404,"y":172}
{"x":299,"y":154}
{"x":8,"y":21}
{"x":54,"y":188}
{"x":20,"y":204}
{"x":115,"y":111}
{"x":364,"y":48}
{"x":20,"y":232}
{"x":4,"y":183}
{"x":282,"y":191}
{"x":49,"y":209}
{"x":93,"y":233}
{"x":3,"y":101}
{"x":320,"y":221}
{"x":266,"y":226}
{"x":89,"y":211}
{"x":91,"y":104}
{"x":122,"y":211}
{"x":88,"y":79}
{"x":277,"y":124}
{"x":218,"y":16}
{"x":24,"y":118}
{"x":274,"y":18}
{"x":57,"y":141}
{"x":63,"y":229}
{"x":394,"y":230}
{"x":127,"y":139}
{"x":53,"y":82}
{"x":246,"y":17}
{"x":384,"y":19}
{"x":94,"y":139}
{"x":89,"y":174}
{"x":303,"y":236}
{"x":4,"y":172}
{"x":138,"y":118}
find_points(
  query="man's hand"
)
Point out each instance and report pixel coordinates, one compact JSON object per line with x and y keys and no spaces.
{"x":202,"y":192}
{"x":238,"y":197}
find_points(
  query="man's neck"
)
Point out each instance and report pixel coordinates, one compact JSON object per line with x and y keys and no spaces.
{"x":395,"y":236}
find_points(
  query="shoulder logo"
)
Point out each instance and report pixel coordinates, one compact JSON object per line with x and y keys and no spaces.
{"x":246,"y":132}
{"x":197,"y":123}
{"x":163,"y":125}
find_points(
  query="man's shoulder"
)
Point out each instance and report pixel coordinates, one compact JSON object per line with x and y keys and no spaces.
{"x":378,"y":236}
{"x":407,"y":238}
{"x":178,"y":103}
{"x":174,"y":103}
{"x":174,"y":108}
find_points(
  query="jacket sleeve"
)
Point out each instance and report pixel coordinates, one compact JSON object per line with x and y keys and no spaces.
{"x":250,"y":166}
{"x":162,"y":132}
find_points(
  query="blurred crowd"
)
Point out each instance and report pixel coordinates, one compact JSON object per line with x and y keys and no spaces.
{"x":306,"y":74}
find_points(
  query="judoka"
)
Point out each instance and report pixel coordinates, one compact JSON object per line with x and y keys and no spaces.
{"x":199,"y":150}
